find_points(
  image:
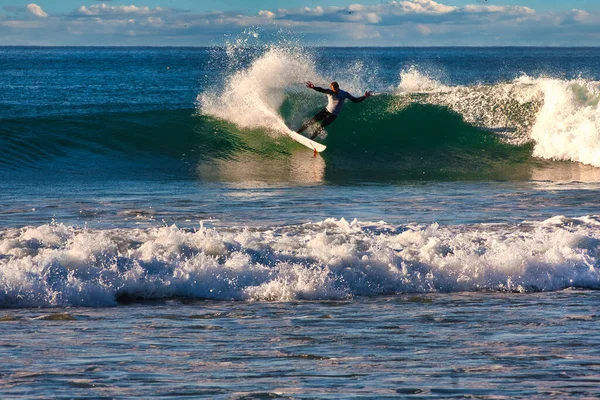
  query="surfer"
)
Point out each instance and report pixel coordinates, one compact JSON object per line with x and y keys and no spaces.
{"x":336,"y":98}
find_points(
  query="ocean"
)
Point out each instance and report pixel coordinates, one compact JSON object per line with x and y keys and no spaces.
{"x":160,"y":237}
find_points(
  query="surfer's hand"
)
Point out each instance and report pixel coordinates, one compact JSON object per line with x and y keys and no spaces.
{"x":310,"y":85}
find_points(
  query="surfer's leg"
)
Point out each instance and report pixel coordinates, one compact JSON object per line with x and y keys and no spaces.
{"x":318,"y":117}
{"x":328,"y":120}
{"x":306,"y":125}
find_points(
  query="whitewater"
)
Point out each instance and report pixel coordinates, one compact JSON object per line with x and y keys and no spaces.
{"x":56,"y":265}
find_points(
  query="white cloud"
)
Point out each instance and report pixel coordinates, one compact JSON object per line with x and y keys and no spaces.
{"x":510,"y":10}
{"x":365,"y":33}
{"x":372,"y":18}
{"x":423,"y":7}
{"x":395,"y":12}
{"x":21,"y":24}
{"x":36,"y":10}
{"x":424,"y":29}
{"x":267,"y":14}
{"x":583,"y":17}
{"x":105,"y":10}
{"x":317,"y":11}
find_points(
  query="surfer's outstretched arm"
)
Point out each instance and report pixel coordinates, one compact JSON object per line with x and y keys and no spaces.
{"x":322,"y":90}
{"x":310,"y":85}
{"x":361,"y":98}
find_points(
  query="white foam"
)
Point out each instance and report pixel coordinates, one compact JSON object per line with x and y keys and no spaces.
{"x":568,"y":125}
{"x":331,"y":259}
{"x":561,"y":117}
{"x":506,"y":108}
{"x":414,"y":81}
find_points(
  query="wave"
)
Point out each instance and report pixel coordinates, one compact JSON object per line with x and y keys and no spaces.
{"x":560,"y":118}
{"x":58,"y":265}
{"x":126,"y":144}
{"x":551,"y":119}
{"x":416,"y":129}
{"x":182,"y":144}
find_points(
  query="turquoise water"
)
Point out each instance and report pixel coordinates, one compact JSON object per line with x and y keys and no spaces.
{"x":159,"y":236}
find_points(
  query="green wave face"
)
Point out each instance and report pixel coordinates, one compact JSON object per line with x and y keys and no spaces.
{"x":423,"y":142}
{"x":370,"y":142}
{"x":367,"y":142}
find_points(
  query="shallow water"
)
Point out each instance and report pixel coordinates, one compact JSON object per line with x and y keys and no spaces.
{"x":480,"y":345}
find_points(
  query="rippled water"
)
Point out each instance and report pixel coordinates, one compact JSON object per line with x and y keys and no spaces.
{"x":186,"y":203}
{"x":429,"y":346}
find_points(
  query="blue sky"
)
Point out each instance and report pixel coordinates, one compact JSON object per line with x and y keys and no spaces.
{"x":313,"y":22}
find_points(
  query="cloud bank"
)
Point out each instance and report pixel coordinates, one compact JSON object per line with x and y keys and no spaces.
{"x":391,"y":23}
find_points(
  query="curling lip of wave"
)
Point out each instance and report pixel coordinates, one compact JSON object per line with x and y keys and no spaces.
{"x":560,"y":117}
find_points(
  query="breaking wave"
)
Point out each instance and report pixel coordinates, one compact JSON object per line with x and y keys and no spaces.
{"x":551,"y":119}
{"x":416,"y":128}
{"x":58,"y":265}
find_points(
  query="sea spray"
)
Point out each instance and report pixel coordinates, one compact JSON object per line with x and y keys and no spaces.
{"x":260,"y":78}
{"x":251,"y":97}
{"x":414,"y":81}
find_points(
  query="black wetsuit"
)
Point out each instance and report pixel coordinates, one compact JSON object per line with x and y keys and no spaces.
{"x":324,"y":117}
{"x":327,"y":115}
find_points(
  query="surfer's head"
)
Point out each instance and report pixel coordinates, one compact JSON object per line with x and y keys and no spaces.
{"x":334,"y":86}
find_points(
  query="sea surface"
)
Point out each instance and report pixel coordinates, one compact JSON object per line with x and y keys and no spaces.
{"x":161,"y":237}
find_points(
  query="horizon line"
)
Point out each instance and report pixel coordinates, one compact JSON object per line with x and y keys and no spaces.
{"x":305,"y":46}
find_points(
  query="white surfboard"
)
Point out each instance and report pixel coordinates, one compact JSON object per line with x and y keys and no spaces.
{"x":311,"y":144}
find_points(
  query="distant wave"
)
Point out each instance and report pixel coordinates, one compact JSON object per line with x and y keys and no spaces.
{"x":57,"y":265}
